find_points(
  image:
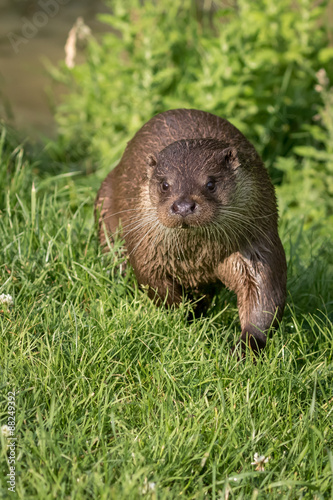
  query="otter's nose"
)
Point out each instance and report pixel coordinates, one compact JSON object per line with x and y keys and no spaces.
{"x":183,"y":207}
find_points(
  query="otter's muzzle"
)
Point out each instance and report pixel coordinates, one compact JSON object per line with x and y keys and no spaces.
{"x":183,"y":207}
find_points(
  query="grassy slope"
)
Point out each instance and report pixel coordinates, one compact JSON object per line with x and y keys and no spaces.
{"x":114,"y":394}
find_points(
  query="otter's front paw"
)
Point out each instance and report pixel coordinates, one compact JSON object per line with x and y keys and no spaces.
{"x":250,"y":341}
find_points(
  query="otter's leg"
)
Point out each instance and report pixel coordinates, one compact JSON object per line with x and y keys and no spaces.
{"x":203,"y":297}
{"x":259,"y":280}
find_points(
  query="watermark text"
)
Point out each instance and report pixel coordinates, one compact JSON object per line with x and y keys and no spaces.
{"x":30,"y":27}
{"x":8,"y":432}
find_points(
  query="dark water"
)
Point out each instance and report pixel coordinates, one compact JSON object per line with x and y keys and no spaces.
{"x":30,"y":32}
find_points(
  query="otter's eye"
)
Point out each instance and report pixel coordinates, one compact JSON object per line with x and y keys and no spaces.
{"x":164,"y":186}
{"x":211,"y":186}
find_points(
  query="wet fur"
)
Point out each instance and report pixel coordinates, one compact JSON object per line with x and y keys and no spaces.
{"x":239,"y":245}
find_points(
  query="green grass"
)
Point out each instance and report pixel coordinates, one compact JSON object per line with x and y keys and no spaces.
{"x":118,"y":399}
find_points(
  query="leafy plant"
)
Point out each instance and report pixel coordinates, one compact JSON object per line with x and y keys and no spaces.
{"x":253,"y":63}
{"x":307,"y":190}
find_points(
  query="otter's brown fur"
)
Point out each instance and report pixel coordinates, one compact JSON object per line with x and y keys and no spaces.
{"x":196,"y":207}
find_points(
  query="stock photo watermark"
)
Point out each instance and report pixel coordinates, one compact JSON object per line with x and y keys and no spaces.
{"x":8,"y":432}
{"x":30,"y":27}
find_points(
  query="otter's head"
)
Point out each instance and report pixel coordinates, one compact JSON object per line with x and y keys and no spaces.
{"x":191,"y":180}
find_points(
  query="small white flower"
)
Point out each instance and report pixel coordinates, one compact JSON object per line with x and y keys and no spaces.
{"x":5,"y":431}
{"x":259,"y":461}
{"x":147,"y":487}
{"x":6,"y":299}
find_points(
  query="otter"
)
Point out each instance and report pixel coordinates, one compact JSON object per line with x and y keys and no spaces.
{"x":196,"y":207}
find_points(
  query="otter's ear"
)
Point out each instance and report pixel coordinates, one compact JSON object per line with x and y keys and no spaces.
{"x":230,"y":157}
{"x":151,"y":163}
